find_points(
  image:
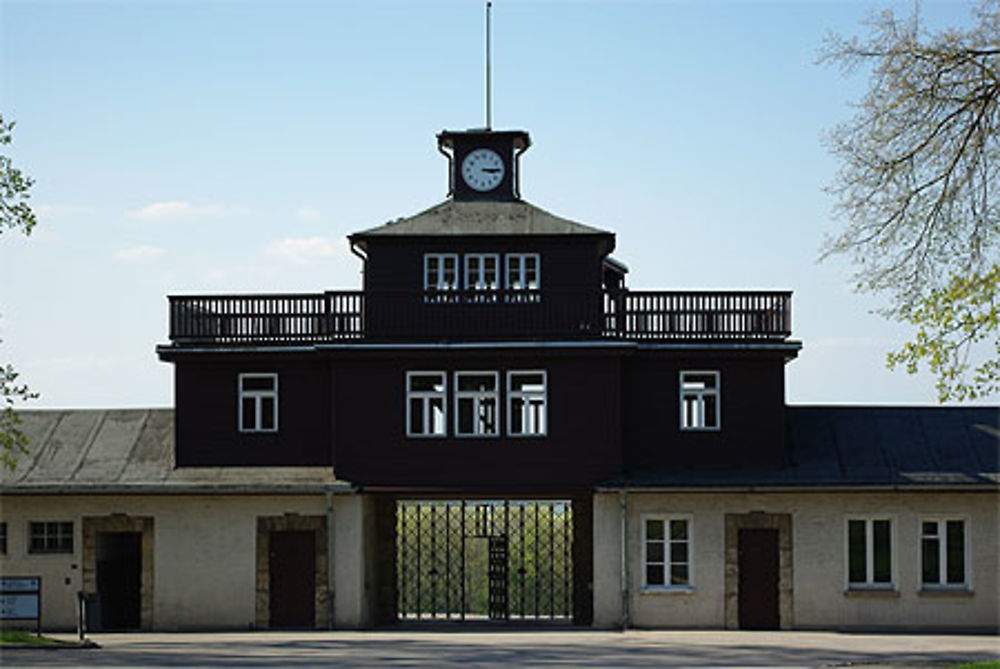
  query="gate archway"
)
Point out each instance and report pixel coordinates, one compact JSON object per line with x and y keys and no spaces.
{"x":484,"y":560}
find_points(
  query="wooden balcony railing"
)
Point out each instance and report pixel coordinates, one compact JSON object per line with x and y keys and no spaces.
{"x":483,"y":315}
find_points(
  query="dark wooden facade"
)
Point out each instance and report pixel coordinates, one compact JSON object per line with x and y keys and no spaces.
{"x":612,"y":359}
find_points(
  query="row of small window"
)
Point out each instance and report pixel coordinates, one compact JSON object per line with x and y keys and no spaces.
{"x":476,"y":402}
{"x":870,"y":558}
{"x":47,"y":537}
{"x":943,"y":553}
{"x":522,"y":271}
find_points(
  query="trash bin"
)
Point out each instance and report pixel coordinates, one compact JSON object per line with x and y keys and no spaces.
{"x":89,"y":611}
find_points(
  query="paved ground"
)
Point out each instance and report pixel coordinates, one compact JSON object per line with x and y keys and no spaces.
{"x":534,"y":648}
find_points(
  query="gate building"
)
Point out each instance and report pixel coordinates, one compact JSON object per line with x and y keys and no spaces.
{"x":497,"y":428}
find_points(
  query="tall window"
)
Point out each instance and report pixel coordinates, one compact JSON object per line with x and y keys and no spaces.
{"x":523,"y":271}
{"x":3,"y":538}
{"x":258,"y":403}
{"x":942,"y":553}
{"x":50,"y":537}
{"x":440,"y":271}
{"x":869,"y":552}
{"x":666,"y":552}
{"x":476,"y":404}
{"x":699,"y":401}
{"x":426,"y":404}
{"x":526,"y":404}
{"x":482,"y":271}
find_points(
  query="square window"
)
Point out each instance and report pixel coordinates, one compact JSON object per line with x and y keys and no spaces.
{"x":526,"y":404}
{"x":50,"y":537}
{"x":482,"y":271}
{"x":869,"y":553}
{"x":523,"y":271}
{"x":477,"y":404}
{"x":440,"y":271}
{"x":943,"y":553}
{"x":666,"y":552}
{"x":426,"y":404}
{"x":699,"y":406}
{"x":258,"y":403}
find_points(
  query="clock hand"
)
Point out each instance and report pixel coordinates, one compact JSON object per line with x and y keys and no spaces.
{"x":491,"y":169}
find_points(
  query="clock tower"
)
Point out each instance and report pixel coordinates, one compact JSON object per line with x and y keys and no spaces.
{"x":483,"y":164}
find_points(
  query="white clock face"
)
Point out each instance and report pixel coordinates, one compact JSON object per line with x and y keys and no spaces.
{"x":483,"y":169}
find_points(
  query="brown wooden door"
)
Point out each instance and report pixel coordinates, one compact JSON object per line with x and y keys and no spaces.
{"x":758,"y":579}
{"x":292,"y":568}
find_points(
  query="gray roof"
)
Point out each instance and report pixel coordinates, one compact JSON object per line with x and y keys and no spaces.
{"x":481,"y":218}
{"x":864,"y":447}
{"x":132,"y":450}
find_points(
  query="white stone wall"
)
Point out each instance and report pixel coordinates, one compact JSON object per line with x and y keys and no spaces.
{"x":204,"y":553}
{"x":820,"y":597}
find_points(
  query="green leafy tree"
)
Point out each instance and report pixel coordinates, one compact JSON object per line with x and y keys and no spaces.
{"x":15,"y":214}
{"x":919,"y":191}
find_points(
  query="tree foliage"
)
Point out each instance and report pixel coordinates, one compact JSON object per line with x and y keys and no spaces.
{"x":918,"y":190}
{"x":15,"y":214}
{"x":15,"y":187}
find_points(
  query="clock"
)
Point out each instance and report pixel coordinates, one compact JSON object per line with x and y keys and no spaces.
{"x":483,"y":169}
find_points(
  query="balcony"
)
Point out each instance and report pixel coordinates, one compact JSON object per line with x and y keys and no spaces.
{"x":356,"y":316}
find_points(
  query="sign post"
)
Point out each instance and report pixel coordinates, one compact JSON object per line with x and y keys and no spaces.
{"x":21,"y":599}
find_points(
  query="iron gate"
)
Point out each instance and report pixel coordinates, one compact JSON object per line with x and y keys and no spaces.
{"x":497,"y":560}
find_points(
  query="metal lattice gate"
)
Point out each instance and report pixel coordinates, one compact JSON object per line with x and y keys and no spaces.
{"x":477,"y":560}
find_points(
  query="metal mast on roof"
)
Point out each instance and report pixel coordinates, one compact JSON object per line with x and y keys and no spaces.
{"x":489,"y":119}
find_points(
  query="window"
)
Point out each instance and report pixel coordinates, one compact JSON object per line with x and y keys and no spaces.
{"x":869,"y":553}
{"x":476,"y":404}
{"x":482,"y":271}
{"x":258,"y":403}
{"x":700,"y":401}
{"x":440,"y":271}
{"x":50,"y":537}
{"x":666,"y":552}
{"x":3,"y":538}
{"x":425,"y":404}
{"x":523,"y":271}
{"x":942,"y":553}
{"x":526,"y":404}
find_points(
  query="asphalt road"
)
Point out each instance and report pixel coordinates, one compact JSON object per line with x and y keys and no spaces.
{"x":574,"y":648}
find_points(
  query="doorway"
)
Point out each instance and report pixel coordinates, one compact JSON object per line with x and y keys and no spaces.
{"x":758,"y":571}
{"x":119,"y":579}
{"x":758,"y":565}
{"x":292,"y":579}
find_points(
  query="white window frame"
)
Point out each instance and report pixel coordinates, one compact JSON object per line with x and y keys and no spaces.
{"x":526,"y":396}
{"x":474,"y":276}
{"x":441,"y":259}
{"x":520,"y":281}
{"x":425,"y":404}
{"x":665,"y":520}
{"x":57,"y":535}
{"x":942,"y":521}
{"x":258,"y":397}
{"x":478,"y":397}
{"x":869,"y":583}
{"x":698,"y":396}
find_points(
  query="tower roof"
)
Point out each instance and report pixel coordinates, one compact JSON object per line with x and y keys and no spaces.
{"x":451,"y":218}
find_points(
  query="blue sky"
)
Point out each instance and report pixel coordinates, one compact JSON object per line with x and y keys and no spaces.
{"x":188,"y":147}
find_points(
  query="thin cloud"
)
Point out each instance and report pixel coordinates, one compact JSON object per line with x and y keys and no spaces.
{"x":303,"y":250}
{"x":308,"y":214}
{"x":139,"y":254}
{"x":54,"y":210}
{"x":179,"y":210}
